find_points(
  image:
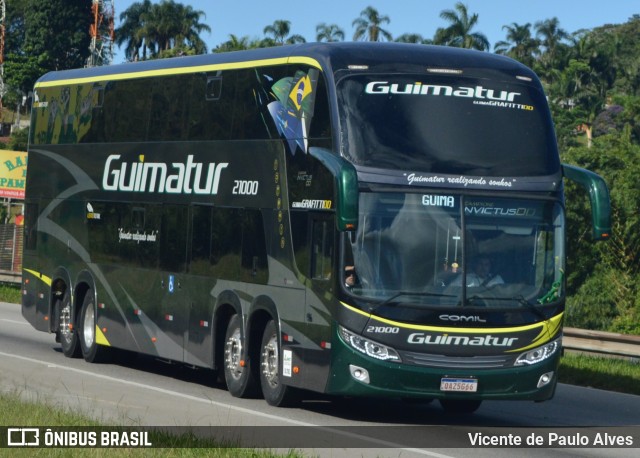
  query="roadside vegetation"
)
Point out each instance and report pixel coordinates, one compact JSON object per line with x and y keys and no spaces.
{"x":10,"y":293}
{"x":612,"y":374}
{"x":19,"y":413}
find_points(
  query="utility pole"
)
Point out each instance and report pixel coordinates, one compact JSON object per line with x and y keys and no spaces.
{"x":102,"y":33}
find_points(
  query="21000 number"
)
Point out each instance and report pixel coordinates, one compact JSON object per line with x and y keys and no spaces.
{"x":245,"y":188}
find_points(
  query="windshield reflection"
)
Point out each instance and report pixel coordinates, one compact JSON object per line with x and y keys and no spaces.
{"x":426,"y":249}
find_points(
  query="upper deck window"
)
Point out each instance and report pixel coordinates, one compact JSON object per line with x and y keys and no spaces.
{"x":446,"y":124}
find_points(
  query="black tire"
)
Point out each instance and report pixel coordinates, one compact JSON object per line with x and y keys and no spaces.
{"x":65,"y":331}
{"x":274,"y":391}
{"x":460,"y":406}
{"x":91,"y":351}
{"x":238,"y":373}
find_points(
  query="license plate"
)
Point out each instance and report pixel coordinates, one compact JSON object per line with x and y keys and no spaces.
{"x":469,"y":385}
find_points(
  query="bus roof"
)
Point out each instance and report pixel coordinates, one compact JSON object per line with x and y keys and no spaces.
{"x":330,"y":57}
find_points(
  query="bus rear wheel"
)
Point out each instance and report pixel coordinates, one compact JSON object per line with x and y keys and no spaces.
{"x":91,"y":351}
{"x":238,"y":373}
{"x":460,"y":406}
{"x":274,"y":391}
{"x":65,"y":333}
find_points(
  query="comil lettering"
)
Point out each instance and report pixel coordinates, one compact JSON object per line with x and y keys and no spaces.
{"x":179,"y":178}
{"x":418,"y":88}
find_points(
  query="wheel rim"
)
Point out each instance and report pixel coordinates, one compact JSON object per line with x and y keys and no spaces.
{"x":64,"y":325}
{"x":233,"y":354}
{"x":88,"y":326}
{"x":269,"y":362}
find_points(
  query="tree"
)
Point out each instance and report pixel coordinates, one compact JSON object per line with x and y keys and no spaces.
{"x":163,"y":29}
{"x":57,"y":32}
{"x":235,"y":43}
{"x":329,"y":33}
{"x":130,"y":32}
{"x":368,"y":26}
{"x":41,"y":37}
{"x":459,"y":33}
{"x":551,"y":37}
{"x":413,"y":38}
{"x":520,"y":45}
{"x":280,"y":30}
{"x":604,"y":279}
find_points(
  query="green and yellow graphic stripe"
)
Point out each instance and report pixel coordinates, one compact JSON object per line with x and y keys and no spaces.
{"x":548,"y":328}
{"x":40,"y":276}
{"x":182,"y":70}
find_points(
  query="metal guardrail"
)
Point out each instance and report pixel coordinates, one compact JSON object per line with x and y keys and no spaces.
{"x":602,"y":343}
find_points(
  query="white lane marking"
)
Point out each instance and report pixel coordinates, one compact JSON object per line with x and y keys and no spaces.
{"x":227,"y":406}
{"x":15,"y":321}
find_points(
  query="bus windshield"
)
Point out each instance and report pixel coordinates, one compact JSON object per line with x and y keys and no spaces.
{"x":426,"y":248}
{"x":446,"y":125}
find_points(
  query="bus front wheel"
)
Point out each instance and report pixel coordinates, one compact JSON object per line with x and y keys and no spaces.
{"x":238,"y":373}
{"x":274,"y":391}
{"x":65,"y":333}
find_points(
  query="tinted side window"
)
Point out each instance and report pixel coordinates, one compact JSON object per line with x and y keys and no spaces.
{"x":126,"y":110}
{"x":173,"y":237}
{"x":322,"y":246}
{"x":169,"y":118}
{"x":228,"y":243}
{"x":124,"y":234}
{"x":300,"y":237}
{"x":210,"y":113}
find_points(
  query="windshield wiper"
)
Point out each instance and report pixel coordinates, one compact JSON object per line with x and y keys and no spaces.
{"x":389,"y":300}
{"x":531,"y":306}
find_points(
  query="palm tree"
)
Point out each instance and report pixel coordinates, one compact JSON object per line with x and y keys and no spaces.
{"x":169,"y":24}
{"x":368,"y":26}
{"x":329,"y":32}
{"x":519,"y":45}
{"x":413,"y":38}
{"x":189,"y":29}
{"x":160,"y":27}
{"x":551,"y":37}
{"x":280,"y":30}
{"x":234,"y":43}
{"x":459,"y":33}
{"x":550,"y":33}
{"x":130,"y":30}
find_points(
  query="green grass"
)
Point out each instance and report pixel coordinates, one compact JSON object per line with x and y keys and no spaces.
{"x":10,"y":293}
{"x":599,"y":372}
{"x":20,"y":413}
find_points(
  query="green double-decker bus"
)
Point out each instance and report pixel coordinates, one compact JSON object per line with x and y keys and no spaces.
{"x":362,"y":219}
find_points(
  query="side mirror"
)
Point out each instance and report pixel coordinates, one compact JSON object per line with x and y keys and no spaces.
{"x":598,"y":196}
{"x":345,"y":186}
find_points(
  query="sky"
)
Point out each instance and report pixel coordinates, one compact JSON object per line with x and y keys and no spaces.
{"x":250,"y":17}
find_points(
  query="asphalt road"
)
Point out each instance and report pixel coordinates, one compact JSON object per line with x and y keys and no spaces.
{"x":141,"y":391}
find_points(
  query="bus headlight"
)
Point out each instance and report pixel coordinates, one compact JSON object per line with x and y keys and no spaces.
{"x":368,"y":347}
{"x":538,"y":354}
